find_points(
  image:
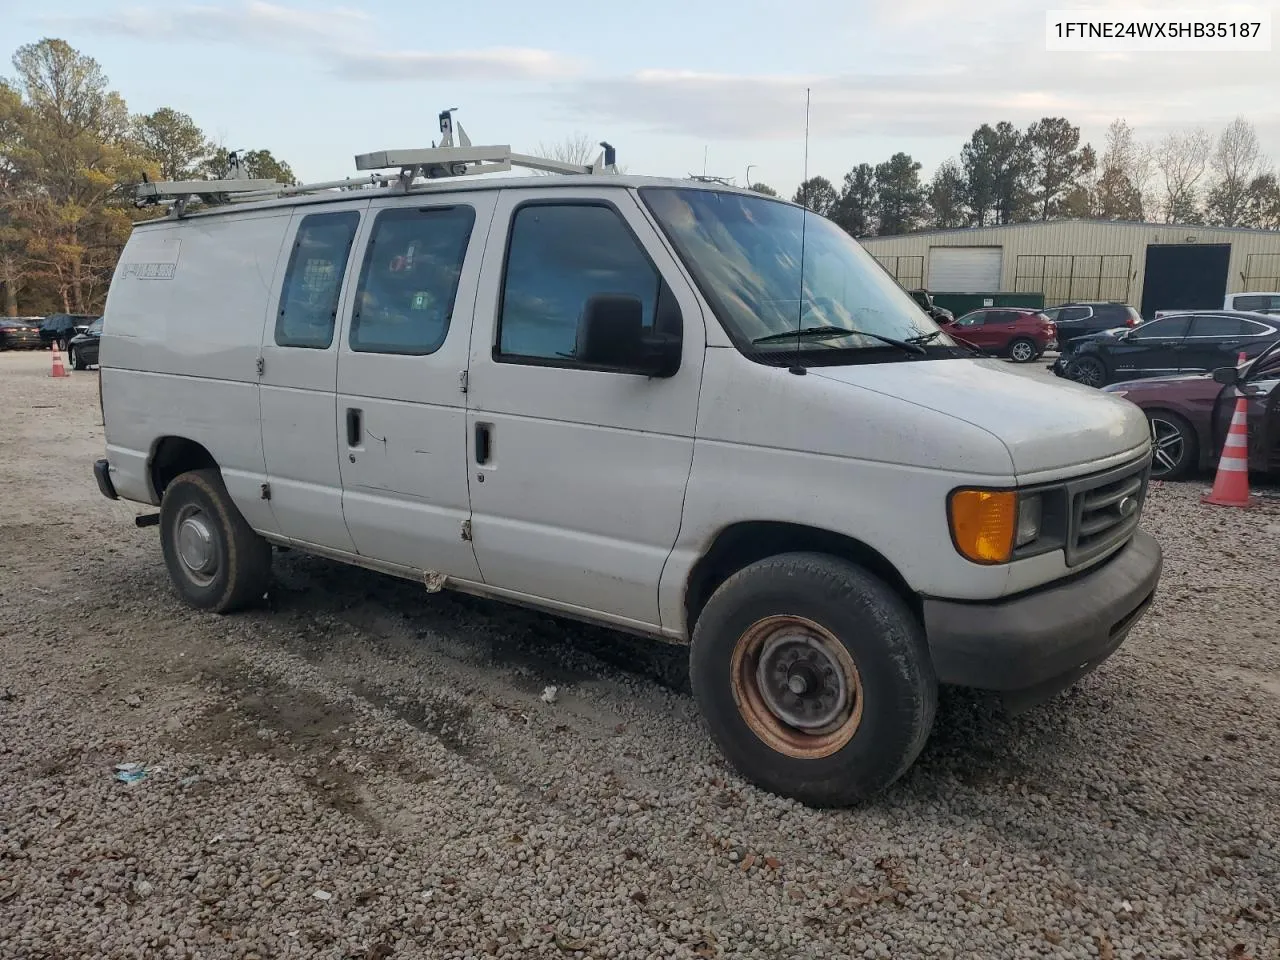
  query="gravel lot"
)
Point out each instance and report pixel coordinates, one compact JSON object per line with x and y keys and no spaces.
{"x":364,"y":770}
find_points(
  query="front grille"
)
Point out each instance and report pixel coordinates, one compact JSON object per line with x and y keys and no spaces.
{"x":1105,"y":510}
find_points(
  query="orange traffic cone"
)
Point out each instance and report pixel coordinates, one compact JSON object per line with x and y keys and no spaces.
{"x":1231,"y":485}
{"x":58,"y":369}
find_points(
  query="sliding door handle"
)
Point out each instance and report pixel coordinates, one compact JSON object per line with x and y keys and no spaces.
{"x":484,"y":438}
{"x":355,"y":427}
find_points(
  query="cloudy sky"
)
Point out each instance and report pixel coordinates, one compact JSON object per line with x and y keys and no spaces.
{"x":663,"y":81}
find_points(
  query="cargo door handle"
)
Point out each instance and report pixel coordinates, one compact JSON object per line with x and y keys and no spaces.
{"x":355,"y":431}
{"x":483,"y":438}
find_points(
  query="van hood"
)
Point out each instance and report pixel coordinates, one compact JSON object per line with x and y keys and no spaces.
{"x":1046,"y":425}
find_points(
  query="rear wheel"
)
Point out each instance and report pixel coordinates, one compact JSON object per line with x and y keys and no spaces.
{"x":75,"y":359}
{"x":1174,"y":445}
{"x":214,"y":558}
{"x":1022,"y":350}
{"x":814,"y":678}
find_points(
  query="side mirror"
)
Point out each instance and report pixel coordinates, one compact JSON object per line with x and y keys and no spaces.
{"x":611,"y":334}
{"x":1228,"y":376}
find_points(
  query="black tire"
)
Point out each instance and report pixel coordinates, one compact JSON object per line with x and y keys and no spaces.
{"x":240,"y":570}
{"x":77,"y":361}
{"x":893,"y":675}
{"x":1177,"y":447}
{"x":1089,"y":371}
{"x":1023,"y":350}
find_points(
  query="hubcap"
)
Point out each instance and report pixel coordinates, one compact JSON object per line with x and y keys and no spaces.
{"x":1088,"y":373}
{"x":796,"y":686}
{"x":1022,"y":351}
{"x":197,"y":546}
{"x":1169,"y":444}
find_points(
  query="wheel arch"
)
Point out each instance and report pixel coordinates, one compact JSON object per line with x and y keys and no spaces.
{"x":174,"y":455}
{"x":741,"y":544}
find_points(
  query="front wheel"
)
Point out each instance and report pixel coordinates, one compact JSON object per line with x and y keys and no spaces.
{"x":814,"y":678}
{"x":1088,"y":371}
{"x":214,"y":558}
{"x":77,"y":361}
{"x":1173,"y":444}
{"x":1022,"y":350}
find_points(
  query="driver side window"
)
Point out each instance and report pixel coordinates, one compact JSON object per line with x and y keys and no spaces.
{"x":972,"y":320}
{"x":1169,"y":328}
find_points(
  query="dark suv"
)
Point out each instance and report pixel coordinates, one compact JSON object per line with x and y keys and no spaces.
{"x":59,"y":328}
{"x":925,"y":299}
{"x":1083,"y":318}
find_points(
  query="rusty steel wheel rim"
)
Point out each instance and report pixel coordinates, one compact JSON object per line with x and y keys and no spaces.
{"x":796,"y":686}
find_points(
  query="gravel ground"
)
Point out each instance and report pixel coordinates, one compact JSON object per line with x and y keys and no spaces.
{"x":363,"y":770}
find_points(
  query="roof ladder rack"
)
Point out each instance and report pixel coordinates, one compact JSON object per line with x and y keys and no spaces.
{"x":438,"y":161}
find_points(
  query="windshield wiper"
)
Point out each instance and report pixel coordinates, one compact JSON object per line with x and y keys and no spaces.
{"x":924,"y":338}
{"x":830,"y":332}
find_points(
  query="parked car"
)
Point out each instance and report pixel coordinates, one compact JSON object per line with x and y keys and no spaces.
{"x":59,"y":328}
{"x":1085,"y":318}
{"x":590,"y":395}
{"x":1179,"y":343}
{"x":20,"y":333}
{"x":82,"y":352}
{"x":1020,"y":334}
{"x":925,"y":299}
{"x":1190,"y":414}
{"x":1255,"y":302}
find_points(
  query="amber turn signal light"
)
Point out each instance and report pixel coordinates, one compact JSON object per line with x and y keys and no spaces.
{"x":983,"y":523}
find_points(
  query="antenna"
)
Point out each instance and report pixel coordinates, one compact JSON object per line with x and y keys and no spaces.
{"x":798,"y":368}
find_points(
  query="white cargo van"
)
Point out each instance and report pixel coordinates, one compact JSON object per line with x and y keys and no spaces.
{"x":588,"y":394}
{"x":1255,"y":302}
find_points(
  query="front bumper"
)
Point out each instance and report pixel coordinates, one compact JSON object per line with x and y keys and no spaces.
{"x":1033,"y":646}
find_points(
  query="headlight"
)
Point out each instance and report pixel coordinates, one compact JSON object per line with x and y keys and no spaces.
{"x":988,"y":525}
{"x":1030,"y":512}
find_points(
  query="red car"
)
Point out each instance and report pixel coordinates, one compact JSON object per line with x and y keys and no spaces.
{"x":1019,"y":333}
{"x":1190,"y":413}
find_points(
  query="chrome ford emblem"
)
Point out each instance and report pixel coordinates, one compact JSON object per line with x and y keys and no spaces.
{"x":1127,"y":506}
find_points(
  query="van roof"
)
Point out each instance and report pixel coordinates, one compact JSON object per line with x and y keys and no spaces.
{"x":454,"y":185}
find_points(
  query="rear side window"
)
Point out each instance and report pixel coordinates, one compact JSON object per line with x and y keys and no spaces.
{"x":1073,"y":313}
{"x":1001,"y":316}
{"x":558,"y":257}
{"x":409,"y":280}
{"x":313,"y":280}
{"x":1217,"y":327}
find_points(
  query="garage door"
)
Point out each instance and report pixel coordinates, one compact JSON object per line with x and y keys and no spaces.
{"x":964,"y":269}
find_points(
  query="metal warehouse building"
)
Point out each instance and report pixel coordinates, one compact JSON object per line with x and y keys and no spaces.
{"x":1153,"y":266}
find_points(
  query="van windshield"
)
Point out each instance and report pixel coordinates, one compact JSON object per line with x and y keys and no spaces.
{"x":745,"y":255}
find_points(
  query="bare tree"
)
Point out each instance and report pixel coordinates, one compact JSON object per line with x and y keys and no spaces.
{"x":578,"y":148}
{"x":1181,"y":159}
{"x":1236,"y":161}
{"x":1125,"y":172}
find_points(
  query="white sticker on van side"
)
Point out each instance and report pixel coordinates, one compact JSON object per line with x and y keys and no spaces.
{"x":152,"y":259}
